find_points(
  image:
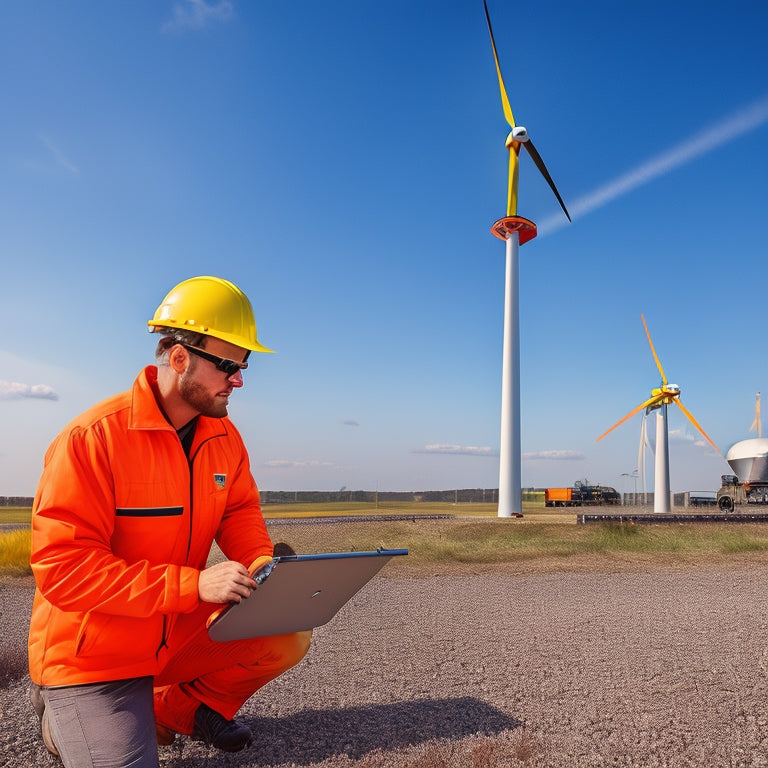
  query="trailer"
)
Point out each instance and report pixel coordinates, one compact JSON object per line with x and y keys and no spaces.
{"x":581,"y":495}
{"x":734,"y":493}
{"x":558,"y":497}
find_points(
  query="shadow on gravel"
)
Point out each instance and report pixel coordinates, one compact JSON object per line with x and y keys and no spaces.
{"x":315,"y":735}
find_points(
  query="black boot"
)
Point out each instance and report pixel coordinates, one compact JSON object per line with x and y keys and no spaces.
{"x":215,"y":729}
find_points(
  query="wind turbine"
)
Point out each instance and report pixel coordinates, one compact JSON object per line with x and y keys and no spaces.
{"x":660,"y":398}
{"x":641,"y":462}
{"x":515,"y":231}
{"x":756,"y":422}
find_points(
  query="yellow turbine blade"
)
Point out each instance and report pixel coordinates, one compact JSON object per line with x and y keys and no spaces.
{"x":650,"y":401}
{"x":696,"y":424}
{"x":655,"y":356}
{"x":514,"y":172}
{"x":504,"y":100}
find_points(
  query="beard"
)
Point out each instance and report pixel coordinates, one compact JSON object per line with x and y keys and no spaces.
{"x":196,"y":395}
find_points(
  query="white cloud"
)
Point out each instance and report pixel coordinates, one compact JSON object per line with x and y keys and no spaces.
{"x":14,"y":390}
{"x":554,"y":455}
{"x":680,"y":436}
{"x":456,"y":450}
{"x":196,"y":14}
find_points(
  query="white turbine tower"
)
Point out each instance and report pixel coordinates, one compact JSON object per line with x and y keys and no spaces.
{"x":660,"y":398}
{"x":515,"y":231}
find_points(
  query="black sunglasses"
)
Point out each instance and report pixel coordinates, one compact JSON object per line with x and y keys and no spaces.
{"x":230,"y":367}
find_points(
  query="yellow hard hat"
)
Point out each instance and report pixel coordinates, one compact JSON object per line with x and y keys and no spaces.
{"x":212,"y":306}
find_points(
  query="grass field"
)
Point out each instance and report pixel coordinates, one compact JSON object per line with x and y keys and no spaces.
{"x":15,"y":547}
{"x":389,"y":508}
{"x":15,"y":515}
{"x":500,"y":541}
{"x":473,"y":535}
{"x":21,"y":515}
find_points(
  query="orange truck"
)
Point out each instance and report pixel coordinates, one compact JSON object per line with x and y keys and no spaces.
{"x":558,"y":497}
{"x":580,"y":494}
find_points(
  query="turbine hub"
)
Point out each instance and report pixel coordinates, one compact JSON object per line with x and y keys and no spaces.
{"x":520,"y":133}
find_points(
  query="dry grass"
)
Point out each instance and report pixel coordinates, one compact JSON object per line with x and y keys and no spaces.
{"x":513,"y":540}
{"x":15,"y":550}
{"x":355,"y":508}
{"x":479,"y":537}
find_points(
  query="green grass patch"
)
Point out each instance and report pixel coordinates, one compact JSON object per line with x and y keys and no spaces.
{"x":16,"y":515}
{"x":15,"y":549}
{"x":739,"y":541}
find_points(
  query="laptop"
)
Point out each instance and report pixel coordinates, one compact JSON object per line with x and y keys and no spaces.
{"x":299,"y":592}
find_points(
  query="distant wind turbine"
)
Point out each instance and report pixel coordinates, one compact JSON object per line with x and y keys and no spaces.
{"x":660,"y":398}
{"x":756,"y":422}
{"x":515,"y":230}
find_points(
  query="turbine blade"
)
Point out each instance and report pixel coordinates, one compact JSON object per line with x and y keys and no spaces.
{"x":629,"y":416}
{"x":756,"y":422}
{"x":514,"y":169}
{"x":536,"y":157}
{"x":641,"y":447}
{"x":696,"y":424}
{"x":504,"y":99}
{"x":655,"y":356}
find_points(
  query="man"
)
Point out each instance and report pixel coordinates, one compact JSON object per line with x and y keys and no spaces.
{"x":133,"y":493}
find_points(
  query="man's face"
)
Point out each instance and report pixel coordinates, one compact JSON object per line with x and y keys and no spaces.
{"x":204,"y":387}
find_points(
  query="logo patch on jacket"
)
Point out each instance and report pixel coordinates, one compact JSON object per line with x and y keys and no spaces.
{"x":220,"y":480}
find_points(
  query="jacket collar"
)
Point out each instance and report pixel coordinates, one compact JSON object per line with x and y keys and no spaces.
{"x":147,"y":414}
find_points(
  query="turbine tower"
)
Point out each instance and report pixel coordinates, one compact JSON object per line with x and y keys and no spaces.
{"x":515,"y":231}
{"x":660,"y":398}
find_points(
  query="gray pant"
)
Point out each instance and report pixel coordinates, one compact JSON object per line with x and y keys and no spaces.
{"x":104,"y":725}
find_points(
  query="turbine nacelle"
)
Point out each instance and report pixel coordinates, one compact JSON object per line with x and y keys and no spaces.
{"x":666,"y":389}
{"x":518,"y":133}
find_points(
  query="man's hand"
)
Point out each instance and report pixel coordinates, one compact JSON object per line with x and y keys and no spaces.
{"x":226,"y":582}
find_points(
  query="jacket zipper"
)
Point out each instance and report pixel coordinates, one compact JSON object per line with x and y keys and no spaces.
{"x":190,"y":461}
{"x":163,"y":638}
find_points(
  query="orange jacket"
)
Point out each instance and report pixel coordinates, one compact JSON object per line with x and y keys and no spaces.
{"x":122,"y":525}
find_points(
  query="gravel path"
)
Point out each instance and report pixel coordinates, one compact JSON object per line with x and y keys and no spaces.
{"x":598,"y":666}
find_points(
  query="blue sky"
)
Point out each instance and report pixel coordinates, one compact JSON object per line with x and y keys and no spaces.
{"x":343,"y":162}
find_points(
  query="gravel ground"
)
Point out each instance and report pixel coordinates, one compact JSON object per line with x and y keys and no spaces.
{"x":609,"y":663}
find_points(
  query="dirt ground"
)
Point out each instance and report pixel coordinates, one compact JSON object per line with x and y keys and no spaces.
{"x":600,"y":662}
